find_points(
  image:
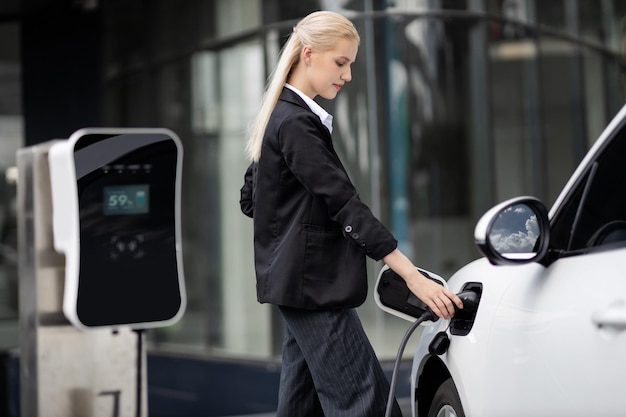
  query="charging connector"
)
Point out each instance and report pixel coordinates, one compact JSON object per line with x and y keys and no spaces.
{"x":441,"y":342}
{"x":470,"y":301}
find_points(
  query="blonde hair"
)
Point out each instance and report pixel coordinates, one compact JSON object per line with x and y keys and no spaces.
{"x":319,"y":30}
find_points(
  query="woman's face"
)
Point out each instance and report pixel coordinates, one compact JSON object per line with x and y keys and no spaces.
{"x":327,"y":72}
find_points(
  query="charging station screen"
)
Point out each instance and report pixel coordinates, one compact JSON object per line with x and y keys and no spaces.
{"x":126,"y":199}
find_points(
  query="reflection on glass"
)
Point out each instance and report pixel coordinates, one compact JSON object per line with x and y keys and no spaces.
{"x":515,"y":232}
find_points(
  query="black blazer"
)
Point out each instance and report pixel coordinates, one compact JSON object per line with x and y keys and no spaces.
{"x":311,"y":230}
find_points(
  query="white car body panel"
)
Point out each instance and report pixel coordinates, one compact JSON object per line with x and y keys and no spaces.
{"x":561,"y":332}
{"x":539,"y":315}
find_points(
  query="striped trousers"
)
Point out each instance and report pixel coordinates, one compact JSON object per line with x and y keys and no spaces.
{"x":329,"y":368}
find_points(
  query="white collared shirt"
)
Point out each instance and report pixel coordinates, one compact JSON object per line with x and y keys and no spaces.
{"x":325,"y":117}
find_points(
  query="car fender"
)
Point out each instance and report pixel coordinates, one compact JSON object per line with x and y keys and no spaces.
{"x":467,"y":356}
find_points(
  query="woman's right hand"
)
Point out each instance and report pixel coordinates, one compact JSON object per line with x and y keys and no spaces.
{"x":437,"y":297}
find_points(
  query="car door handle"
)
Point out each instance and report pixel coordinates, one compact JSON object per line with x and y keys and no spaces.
{"x":612,"y":316}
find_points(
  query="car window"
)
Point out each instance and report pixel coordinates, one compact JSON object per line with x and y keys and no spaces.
{"x":594,"y":214}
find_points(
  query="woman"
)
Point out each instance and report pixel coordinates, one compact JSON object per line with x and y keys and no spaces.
{"x":312,"y":233}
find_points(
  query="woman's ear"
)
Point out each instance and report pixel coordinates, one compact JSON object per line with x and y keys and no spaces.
{"x":305,"y":54}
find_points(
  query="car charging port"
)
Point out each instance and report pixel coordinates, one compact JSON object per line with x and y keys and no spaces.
{"x":463,"y":320}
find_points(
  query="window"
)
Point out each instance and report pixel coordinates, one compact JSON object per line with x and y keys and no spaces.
{"x":597,"y":204}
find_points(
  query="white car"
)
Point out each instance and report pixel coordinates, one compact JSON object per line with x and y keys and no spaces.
{"x":545,"y":334}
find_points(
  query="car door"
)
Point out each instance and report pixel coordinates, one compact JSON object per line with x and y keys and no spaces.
{"x":558,"y":341}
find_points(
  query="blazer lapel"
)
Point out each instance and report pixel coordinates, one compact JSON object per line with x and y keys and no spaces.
{"x":293,"y":98}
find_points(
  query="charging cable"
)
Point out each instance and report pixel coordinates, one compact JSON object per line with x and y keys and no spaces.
{"x":427,"y":315}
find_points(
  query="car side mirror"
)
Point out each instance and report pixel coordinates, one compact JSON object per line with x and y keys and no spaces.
{"x":516,"y":231}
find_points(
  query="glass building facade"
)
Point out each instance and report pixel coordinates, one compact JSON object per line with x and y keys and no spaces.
{"x":454,"y":105}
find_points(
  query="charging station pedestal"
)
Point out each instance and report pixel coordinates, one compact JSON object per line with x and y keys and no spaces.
{"x":63,"y":371}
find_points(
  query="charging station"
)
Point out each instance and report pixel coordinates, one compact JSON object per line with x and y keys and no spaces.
{"x":100,"y":261}
{"x":116,"y":217}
